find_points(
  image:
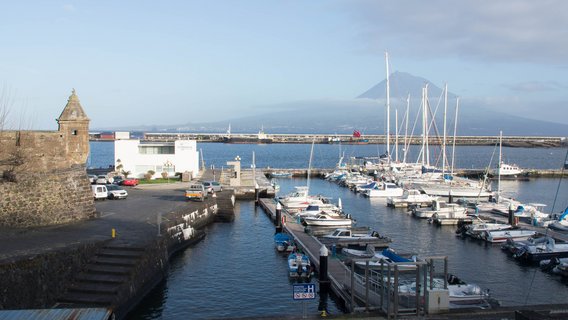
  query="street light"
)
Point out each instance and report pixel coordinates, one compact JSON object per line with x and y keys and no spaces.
{"x":168,"y":164}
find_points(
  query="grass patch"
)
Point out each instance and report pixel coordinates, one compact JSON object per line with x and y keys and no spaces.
{"x":160,"y":180}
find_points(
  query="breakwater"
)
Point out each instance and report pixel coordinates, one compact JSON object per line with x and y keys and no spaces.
{"x":508,"y":141}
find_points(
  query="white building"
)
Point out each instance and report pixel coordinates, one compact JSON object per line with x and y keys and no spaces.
{"x":171,"y":157}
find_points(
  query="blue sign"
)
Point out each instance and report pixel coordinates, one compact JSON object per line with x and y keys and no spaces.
{"x":304,"y":291}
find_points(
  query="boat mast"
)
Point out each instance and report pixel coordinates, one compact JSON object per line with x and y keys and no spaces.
{"x":444,"y":141}
{"x":310,"y":166}
{"x":396,"y":135}
{"x":254,"y":169}
{"x":388,"y":106}
{"x":423,"y":128}
{"x":426,"y":110}
{"x":499,"y":167}
{"x":455,"y":131}
{"x":406,"y":127}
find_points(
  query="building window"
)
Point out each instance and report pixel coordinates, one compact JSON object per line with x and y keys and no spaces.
{"x":156,"y":149}
{"x":74,"y":132}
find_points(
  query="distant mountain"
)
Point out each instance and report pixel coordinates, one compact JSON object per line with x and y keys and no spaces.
{"x":401,"y":85}
{"x":367,"y":114}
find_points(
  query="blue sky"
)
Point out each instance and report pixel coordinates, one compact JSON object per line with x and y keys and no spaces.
{"x":172,"y":62}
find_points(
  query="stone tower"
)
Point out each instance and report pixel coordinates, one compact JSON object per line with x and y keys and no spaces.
{"x":74,"y":129}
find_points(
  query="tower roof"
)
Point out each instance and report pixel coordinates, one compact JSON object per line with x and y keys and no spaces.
{"x":73,"y":110}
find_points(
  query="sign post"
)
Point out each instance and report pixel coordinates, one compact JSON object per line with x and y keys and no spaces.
{"x":304,"y":291}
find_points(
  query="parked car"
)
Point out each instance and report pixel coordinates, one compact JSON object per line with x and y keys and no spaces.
{"x":116,"y":192}
{"x":117,"y":179}
{"x":102,"y":179}
{"x":213,"y":186}
{"x":99,"y":191}
{"x":92,"y":178}
{"x":196,"y":191}
{"x":129,"y":182}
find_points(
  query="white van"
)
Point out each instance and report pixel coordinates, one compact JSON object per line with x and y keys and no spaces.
{"x":99,"y":191}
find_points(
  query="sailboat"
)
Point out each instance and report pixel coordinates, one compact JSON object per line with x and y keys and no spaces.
{"x":505,"y":170}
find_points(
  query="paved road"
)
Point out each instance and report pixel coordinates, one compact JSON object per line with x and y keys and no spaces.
{"x":135,"y":220}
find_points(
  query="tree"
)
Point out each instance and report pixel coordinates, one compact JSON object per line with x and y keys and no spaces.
{"x":149,"y":174}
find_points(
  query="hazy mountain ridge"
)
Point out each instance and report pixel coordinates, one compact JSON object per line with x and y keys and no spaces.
{"x":367,"y":114}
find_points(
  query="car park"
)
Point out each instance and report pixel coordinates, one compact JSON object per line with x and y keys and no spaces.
{"x":213,"y":186}
{"x":116,"y":192}
{"x":129,"y":182}
{"x":100,"y":192}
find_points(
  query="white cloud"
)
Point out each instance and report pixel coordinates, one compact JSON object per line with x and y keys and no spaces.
{"x":508,"y":30}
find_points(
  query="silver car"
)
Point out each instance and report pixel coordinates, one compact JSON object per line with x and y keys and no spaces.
{"x":213,"y":186}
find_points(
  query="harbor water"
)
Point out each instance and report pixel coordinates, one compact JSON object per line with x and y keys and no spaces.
{"x":235,"y":271}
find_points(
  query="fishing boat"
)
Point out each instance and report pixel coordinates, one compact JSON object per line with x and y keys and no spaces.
{"x":504,"y":235}
{"x":299,"y":265}
{"x":284,"y":242}
{"x":411,"y":197}
{"x":385,"y":189}
{"x":325,"y":220}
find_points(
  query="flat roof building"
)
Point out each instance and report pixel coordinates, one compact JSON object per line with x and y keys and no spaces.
{"x":139,"y":157}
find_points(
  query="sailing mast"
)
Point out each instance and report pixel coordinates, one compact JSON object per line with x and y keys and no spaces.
{"x":406,"y":127}
{"x":396,"y":134}
{"x":499,"y":167}
{"x":310,"y":166}
{"x":444,"y":141}
{"x":426,"y":137}
{"x":455,"y":130}
{"x":388,"y":107}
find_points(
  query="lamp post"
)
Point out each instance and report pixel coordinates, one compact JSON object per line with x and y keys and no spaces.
{"x":168,"y":164}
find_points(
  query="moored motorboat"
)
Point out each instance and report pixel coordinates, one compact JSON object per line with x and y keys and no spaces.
{"x":440,"y":207}
{"x":284,"y":242}
{"x":385,"y":189}
{"x":299,"y":265}
{"x":504,"y":235}
{"x":411,"y":197}
{"x":548,"y":249}
{"x":389,"y":256}
{"x":346,"y":237}
{"x":325,"y":220}
{"x":459,"y":291}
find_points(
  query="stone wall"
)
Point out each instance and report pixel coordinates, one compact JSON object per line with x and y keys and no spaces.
{"x":37,"y":281}
{"x":46,"y":198}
